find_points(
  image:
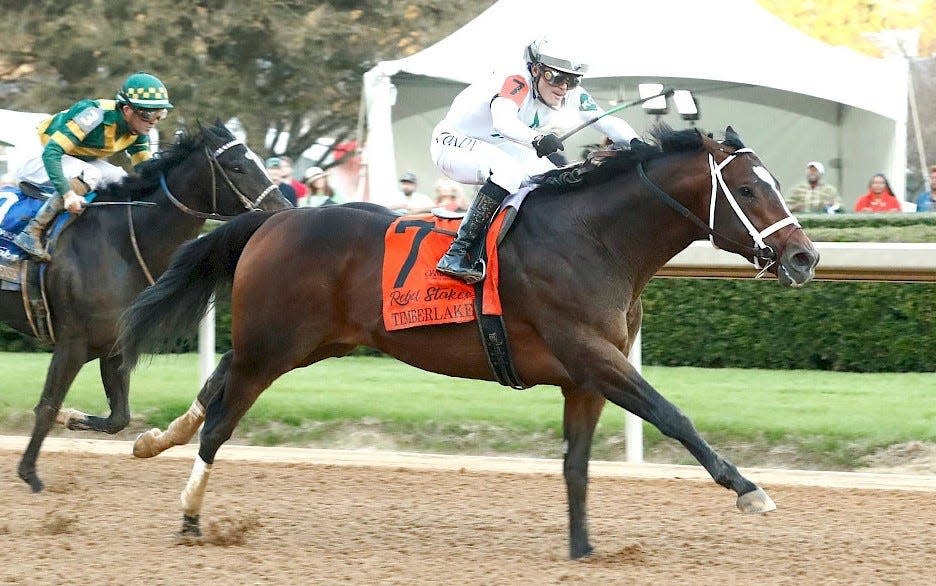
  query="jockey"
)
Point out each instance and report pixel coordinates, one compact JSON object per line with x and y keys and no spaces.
{"x":499,"y":132}
{"x":70,"y":147}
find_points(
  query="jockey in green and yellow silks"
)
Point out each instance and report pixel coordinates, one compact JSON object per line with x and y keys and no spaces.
{"x":70,"y":148}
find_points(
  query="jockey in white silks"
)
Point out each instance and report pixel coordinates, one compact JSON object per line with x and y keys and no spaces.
{"x":499,"y":132}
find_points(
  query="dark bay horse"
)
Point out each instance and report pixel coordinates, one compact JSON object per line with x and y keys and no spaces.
{"x":306,"y":286}
{"x":102,"y":261}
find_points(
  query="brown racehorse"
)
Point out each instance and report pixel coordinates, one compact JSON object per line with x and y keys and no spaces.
{"x":306,"y":286}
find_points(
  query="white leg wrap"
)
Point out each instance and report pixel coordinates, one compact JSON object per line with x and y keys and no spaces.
{"x":180,"y":431}
{"x":66,"y":415}
{"x":194,"y":492}
{"x":183,"y":428}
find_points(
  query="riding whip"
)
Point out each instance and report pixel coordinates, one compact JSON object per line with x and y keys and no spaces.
{"x":666,"y":93}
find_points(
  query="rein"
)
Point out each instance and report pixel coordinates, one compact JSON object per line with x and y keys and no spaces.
{"x":762,"y":252}
{"x":215,"y":165}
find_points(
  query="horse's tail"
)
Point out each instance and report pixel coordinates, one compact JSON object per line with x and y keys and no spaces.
{"x":171,"y":309}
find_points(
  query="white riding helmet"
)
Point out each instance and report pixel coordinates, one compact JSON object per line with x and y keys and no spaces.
{"x":550,"y":54}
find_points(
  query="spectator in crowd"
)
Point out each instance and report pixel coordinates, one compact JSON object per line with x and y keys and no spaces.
{"x":880,"y":197}
{"x":449,"y":195}
{"x":814,"y":195}
{"x":286,"y":167}
{"x":319,"y":190}
{"x":408,"y":200}
{"x":926,"y":201}
{"x":274,"y":168}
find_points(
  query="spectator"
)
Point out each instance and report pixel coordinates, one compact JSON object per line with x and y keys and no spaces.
{"x":880,"y":197}
{"x":408,"y":200}
{"x":319,"y":191}
{"x":286,"y":167}
{"x":926,"y":201}
{"x":814,"y":195}
{"x":450,"y":196}
{"x":274,"y":167}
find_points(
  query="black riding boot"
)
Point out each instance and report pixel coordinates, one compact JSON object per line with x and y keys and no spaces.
{"x":30,"y":239}
{"x":457,"y":262}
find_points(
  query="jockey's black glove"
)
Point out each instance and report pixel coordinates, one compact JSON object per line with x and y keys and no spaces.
{"x":547,"y":144}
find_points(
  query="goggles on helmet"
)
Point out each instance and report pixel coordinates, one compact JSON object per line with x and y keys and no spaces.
{"x":152,"y":115}
{"x":557,"y":78}
{"x":147,"y":114}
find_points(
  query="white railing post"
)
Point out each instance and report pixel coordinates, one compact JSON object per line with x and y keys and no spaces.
{"x":206,"y":344}
{"x":633,"y":425}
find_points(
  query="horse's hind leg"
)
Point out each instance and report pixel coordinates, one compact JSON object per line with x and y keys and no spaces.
{"x":67,"y":360}
{"x":582,"y":409}
{"x":240,"y":389}
{"x":183,"y":428}
{"x":117,"y":387}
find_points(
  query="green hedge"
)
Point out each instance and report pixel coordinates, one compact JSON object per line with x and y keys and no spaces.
{"x":863,"y":327}
{"x":860,"y":327}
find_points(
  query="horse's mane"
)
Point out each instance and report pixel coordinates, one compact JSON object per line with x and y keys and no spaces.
{"x":603,"y":165}
{"x":147,"y":179}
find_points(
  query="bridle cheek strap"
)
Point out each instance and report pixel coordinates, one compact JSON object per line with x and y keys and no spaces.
{"x":762,"y":252}
{"x":217,"y":169}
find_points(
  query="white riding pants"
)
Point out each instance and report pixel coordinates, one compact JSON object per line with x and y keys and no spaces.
{"x":26,"y":165}
{"x":472,"y":161}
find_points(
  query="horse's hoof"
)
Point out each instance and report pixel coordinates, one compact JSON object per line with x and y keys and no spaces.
{"x":32,"y":479}
{"x":579,"y":553}
{"x":145,"y":444}
{"x":190,"y":527}
{"x":756,"y":501}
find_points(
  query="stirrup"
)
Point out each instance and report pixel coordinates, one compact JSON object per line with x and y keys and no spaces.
{"x":32,"y":247}
{"x":468,"y":275}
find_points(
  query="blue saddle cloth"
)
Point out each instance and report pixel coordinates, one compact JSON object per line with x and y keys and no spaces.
{"x":16,"y":210}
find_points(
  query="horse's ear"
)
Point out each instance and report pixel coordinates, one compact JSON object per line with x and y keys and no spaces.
{"x":732,"y":138}
{"x":218,"y":123}
{"x":731,"y":135}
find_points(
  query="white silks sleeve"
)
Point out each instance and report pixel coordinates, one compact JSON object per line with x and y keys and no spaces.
{"x":504,"y":115}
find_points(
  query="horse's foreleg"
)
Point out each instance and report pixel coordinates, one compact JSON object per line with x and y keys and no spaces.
{"x":117,"y":389}
{"x":602,"y":367}
{"x":640,"y":398}
{"x":183,"y":428}
{"x":67,"y":360}
{"x":582,"y":409}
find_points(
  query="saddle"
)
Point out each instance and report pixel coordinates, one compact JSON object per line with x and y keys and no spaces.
{"x":415,"y":294}
{"x":17,"y":272}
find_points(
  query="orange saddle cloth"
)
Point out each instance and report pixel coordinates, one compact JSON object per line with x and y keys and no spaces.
{"x":414,"y":292}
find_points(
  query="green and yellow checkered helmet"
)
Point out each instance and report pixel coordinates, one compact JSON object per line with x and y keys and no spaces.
{"x":145,"y":92}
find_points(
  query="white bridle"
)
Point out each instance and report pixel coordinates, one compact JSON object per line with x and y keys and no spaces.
{"x":758,"y":237}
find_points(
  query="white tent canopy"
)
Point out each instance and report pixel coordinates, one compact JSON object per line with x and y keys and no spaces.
{"x":792,"y":98}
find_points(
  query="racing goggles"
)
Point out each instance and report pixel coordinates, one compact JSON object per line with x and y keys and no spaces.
{"x":557,"y":78}
{"x":152,"y":115}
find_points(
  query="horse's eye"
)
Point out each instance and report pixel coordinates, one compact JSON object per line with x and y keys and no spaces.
{"x":746,"y":191}
{"x":237,"y":169}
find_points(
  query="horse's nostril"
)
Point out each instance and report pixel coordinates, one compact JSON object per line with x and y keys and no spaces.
{"x":804,"y":261}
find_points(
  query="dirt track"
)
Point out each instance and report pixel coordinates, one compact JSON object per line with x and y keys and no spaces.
{"x":109,"y":519}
